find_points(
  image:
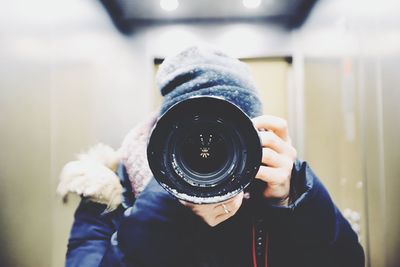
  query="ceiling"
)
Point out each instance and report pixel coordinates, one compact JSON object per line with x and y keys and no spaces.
{"x":128,"y":14}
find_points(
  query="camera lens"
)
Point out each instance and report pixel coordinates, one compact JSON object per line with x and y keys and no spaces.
{"x":204,"y":150}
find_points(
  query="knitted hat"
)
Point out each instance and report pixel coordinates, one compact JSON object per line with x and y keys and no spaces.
{"x":205,"y":71}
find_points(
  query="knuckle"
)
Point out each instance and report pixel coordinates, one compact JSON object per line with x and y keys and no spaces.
{"x":210,"y":220}
{"x":262,"y":174}
{"x":271,"y":136}
{"x":233,"y":212}
{"x":237,"y":204}
{"x":288,"y":164}
{"x":263,"y":137}
{"x":283,"y":176}
{"x":280,"y":180}
{"x":212,"y":224}
{"x":273,"y":141}
{"x":286,"y":174}
{"x":267,"y":137}
{"x":266,"y":154}
{"x":283,"y":124}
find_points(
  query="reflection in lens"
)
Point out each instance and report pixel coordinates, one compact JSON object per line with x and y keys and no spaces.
{"x":204,"y":152}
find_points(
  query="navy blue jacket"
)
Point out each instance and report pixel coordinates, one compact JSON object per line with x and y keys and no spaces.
{"x":156,"y":230}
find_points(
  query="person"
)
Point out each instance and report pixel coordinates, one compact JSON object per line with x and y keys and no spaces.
{"x":284,"y":218}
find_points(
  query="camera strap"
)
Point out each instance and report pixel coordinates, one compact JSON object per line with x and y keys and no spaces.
{"x":260,"y":245}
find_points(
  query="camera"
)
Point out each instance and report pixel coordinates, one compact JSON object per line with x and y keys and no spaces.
{"x":204,"y":149}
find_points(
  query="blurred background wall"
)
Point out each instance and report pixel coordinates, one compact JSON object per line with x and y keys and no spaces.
{"x":72,"y":76}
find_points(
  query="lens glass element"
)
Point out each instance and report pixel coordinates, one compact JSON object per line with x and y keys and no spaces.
{"x":204,"y":152}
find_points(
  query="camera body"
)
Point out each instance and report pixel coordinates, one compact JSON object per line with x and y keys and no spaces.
{"x":204,"y":149}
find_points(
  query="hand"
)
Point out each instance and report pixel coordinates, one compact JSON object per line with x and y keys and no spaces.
{"x":277,"y":158}
{"x":213,"y":214}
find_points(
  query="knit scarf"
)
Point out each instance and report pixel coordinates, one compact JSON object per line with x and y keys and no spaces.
{"x":133,"y":152}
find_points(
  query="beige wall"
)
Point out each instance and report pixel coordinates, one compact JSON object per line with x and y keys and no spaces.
{"x":351,"y":129}
{"x":271,"y":78}
{"x":68,"y":80}
{"x":332,"y":131}
{"x":25,"y":194}
{"x":47,"y":117}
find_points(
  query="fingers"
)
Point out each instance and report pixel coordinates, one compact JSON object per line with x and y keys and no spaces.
{"x":273,"y":159}
{"x":278,"y":181}
{"x":278,"y":156}
{"x":228,"y":209}
{"x":271,"y":123}
{"x":233,"y":203}
{"x":271,"y":140}
{"x":214,"y":214}
{"x":220,"y":218}
{"x":272,"y":175}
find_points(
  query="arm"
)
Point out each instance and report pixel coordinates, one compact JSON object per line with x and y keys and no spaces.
{"x":158,"y":230}
{"x":311,"y":226}
{"x":90,"y":243}
{"x":301,"y":218}
{"x":156,"y":222}
{"x":90,"y":235}
{"x":301,"y":215}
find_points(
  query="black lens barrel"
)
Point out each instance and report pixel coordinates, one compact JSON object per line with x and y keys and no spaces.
{"x":204,"y":150}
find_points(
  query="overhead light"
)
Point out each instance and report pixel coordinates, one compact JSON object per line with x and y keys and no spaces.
{"x":169,"y":5}
{"x":251,"y":3}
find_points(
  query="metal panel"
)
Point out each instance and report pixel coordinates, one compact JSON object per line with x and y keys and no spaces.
{"x":372,"y":161}
{"x":332,"y":142}
{"x":391,"y":155}
{"x":352,"y":123}
{"x":25,"y":196}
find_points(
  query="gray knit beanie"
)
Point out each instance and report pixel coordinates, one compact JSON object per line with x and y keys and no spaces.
{"x":206,"y":71}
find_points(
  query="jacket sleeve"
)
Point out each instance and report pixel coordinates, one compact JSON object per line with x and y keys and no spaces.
{"x":312,"y":227}
{"x":92,"y":240}
{"x":90,"y":234}
{"x":156,"y":230}
{"x":130,"y":236}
